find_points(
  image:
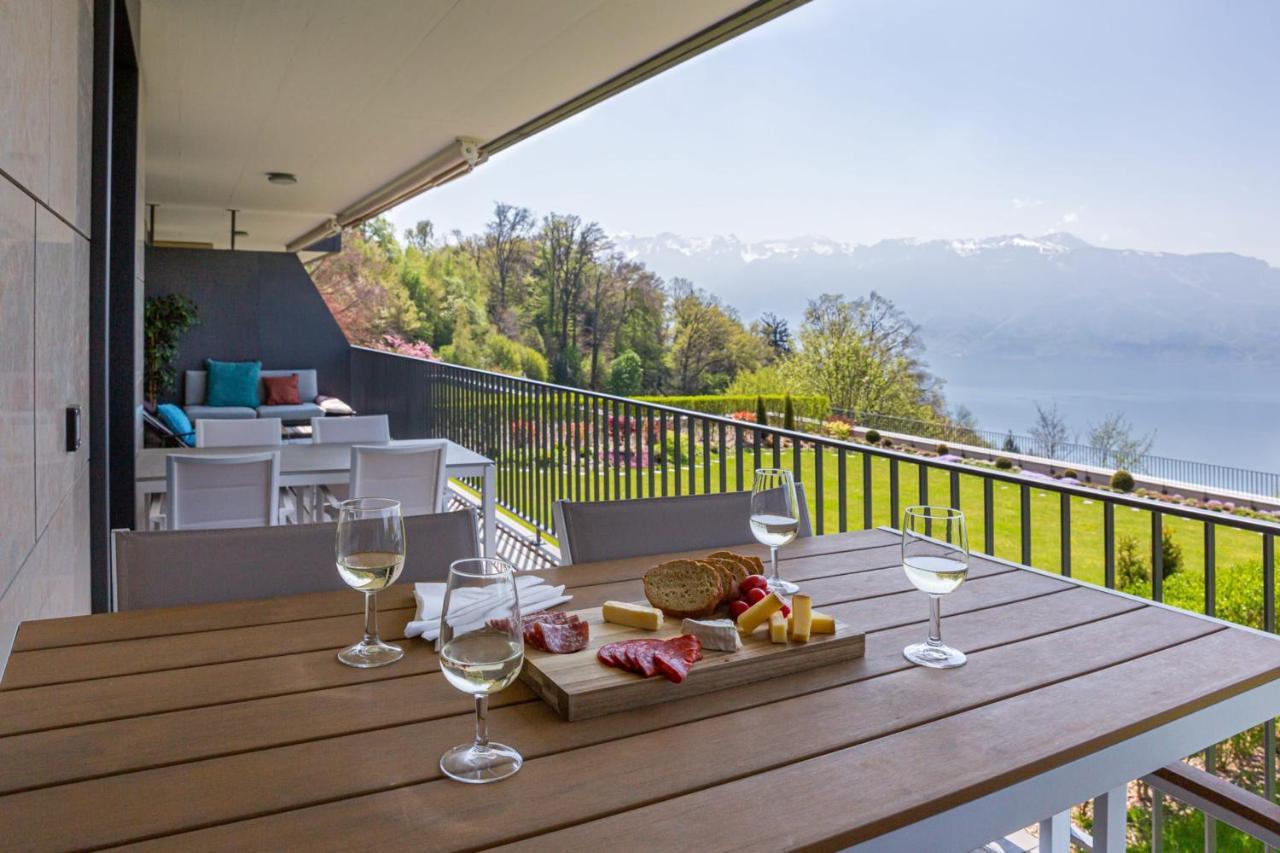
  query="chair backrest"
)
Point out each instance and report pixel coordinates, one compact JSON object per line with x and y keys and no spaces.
{"x":613,"y":530}
{"x":172,"y":567}
{"x":237,"y":432}
{"x":222,"y":491}
{"x":413,"y":474}
{"x":195,"y":385}
{"x":350,"y":430}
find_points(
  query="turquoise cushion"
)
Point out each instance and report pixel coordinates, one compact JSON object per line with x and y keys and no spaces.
{"x":178,"y":422}
{"x":233,"y":383}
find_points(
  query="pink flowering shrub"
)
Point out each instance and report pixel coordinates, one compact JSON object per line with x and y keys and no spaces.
{"x":417,"y":349}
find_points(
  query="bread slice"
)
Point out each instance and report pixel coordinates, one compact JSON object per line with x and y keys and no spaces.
{"x":684,"y":588}
{"x":752,"y":565}
{"x":732,"y":573}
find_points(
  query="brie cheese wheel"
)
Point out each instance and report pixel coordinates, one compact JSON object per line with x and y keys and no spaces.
{"x":718,"y":634}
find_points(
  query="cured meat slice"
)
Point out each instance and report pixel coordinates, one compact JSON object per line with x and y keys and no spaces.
{"x":672,"y":658}
{"x":562,"y":638}
{"x":672,"y":665}
{"x":558,"y":617}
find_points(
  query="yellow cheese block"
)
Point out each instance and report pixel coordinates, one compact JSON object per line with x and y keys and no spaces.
{"x":777,"y":627}
{"x":757,"y":613}
{"x":632,"y":615}
{"x":821,"y":623}
{"x":801,"y":616}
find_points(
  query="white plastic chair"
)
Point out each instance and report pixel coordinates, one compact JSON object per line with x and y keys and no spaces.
{"x":359,"y":428}
{"x":243,"y":432}
{"x":206,"y":492}
{"x":413,"y":474}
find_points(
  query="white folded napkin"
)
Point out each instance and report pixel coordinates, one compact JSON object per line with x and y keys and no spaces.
{"x":473,"y":606}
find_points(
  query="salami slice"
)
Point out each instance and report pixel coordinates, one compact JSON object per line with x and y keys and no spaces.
{"x":671,"y":664}
{"x":672,"y":658}
{"x":562,"y":638}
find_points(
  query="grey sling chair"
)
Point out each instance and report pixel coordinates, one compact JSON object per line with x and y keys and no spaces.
{"x":613,"y":530}
{"x":169,"y":568}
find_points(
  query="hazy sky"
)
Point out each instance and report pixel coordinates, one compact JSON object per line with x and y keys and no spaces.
{"x":1148,"y":124}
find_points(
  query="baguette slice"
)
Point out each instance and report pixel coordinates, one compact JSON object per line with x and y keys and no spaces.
{"x":684,"y":589}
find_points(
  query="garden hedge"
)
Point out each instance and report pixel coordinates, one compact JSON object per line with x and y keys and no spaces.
{"x":814,"y":407}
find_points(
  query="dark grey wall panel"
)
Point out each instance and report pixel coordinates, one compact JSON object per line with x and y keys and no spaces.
{"x":394,"y":385}
{"x":253,"y":305}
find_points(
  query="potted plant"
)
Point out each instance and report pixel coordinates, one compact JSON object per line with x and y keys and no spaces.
{"x":166,"y":319}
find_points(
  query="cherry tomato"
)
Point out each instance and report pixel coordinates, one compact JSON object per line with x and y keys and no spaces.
{"x":737,"y":608}
{"x":756,"y":594}
{"x":753,"y":582}
{"x":786,"y":610}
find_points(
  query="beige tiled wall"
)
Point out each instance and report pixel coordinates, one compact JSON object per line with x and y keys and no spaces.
{"x":46,"y":52}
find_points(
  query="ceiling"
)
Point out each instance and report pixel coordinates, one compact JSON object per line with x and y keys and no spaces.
{"x":351,"y":95}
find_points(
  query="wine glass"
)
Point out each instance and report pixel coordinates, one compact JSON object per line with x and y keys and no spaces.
{"x":370,"y":555}
{"x":775,"y":518}
{"x":935,"y":556}
{"x":481,"y":651}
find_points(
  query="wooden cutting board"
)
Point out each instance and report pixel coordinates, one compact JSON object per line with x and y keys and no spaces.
{"x":578,"y":686}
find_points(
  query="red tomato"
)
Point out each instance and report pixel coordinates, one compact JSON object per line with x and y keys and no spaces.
{"x":753,"y":582}
{"x":756,"y":594}
{"x":737,"y":608}
{"x":786,"y":610}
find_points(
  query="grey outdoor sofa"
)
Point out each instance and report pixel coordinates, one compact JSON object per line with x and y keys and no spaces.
{"x":308,"y":390}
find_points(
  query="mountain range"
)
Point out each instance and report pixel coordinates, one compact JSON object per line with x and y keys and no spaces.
{"x":1013,"y":297}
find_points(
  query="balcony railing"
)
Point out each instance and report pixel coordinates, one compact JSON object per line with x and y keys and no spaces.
{"x":552,"y":442}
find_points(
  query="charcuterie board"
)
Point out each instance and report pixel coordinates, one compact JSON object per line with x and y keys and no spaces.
{"x":579,"y":687}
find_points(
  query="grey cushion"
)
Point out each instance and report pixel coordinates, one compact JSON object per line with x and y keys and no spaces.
{"x":307,"y":390}
{"x":173,"y":567}
{"x":300,"y":412}
{"x":219,"y":413}
{"x":194,"y":386}
{"x":613,"y":530}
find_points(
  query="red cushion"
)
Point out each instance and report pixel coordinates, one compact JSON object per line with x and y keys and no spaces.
{"x":282,"y":390}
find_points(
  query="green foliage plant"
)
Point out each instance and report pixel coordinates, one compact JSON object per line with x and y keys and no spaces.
{"x":762,"y":414}
{"x":1122,"y":480}
{"x":873,"y":436}
{"x":789,"y":414}
{"x":165,"y":320}
{"x":1004,"y":463}
{"x":812,"y":407}
{"x":626,"y":374}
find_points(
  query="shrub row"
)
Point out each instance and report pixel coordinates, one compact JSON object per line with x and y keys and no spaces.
{"x":814,"y":407}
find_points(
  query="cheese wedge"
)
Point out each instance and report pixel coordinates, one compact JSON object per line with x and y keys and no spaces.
{"x":632,"y":615}
{"x":718,"y":634}
{"x":801,"y":616}
{"x":777,"y":628}
{"x":758,"y":613}
{"x":819,"y":623}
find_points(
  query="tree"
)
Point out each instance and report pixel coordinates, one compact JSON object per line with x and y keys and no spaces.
{"x":708,"y":343}
{"x":421,"y":236}
{"x":626,"y":374}
{"x":506,"y":244}
{"x":1010,"y":445}
{"x":762,"y":413}
{"x":566,"y":252}
{"x":1050,"y":430}
{"x":1115,"y":438}
{"x":865,"y":356}
{"x":776,"y":334}
{"x":789,"y":414}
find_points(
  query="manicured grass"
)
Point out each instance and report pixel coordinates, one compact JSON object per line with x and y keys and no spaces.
{"x":1233,"y":548}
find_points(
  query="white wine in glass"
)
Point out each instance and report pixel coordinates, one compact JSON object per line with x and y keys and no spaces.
{"x":775,"y":519}
{"x":481,"y":652}
{"x":935,"y":557}
{"x":369,"y":551}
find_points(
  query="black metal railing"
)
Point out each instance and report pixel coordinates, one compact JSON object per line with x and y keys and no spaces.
{"x":552,"y":442}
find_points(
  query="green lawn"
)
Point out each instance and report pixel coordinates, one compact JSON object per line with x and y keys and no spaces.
{"x":1238,"y":553}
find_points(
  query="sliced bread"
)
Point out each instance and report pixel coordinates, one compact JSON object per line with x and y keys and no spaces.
{"x":731,"y":573}
{"x":752,"y":565}
{"x":684,"y":588}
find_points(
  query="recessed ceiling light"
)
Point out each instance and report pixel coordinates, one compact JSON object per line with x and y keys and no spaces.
{"x":282,"y":178}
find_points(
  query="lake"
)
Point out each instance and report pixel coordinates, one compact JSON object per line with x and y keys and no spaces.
{"x":1225,"y":413}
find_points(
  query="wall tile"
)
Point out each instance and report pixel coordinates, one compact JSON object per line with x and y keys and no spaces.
{"x":61,"y":357}
{"x":17,"y":320}
{"x":70,"y":110}
{"x":54,"y":581}
{"x":24,"y":97}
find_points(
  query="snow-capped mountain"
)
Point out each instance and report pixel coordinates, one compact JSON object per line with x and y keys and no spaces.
{"x":1012,"y":295}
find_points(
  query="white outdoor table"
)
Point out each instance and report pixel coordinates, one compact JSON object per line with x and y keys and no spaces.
{"x":317,"y":465}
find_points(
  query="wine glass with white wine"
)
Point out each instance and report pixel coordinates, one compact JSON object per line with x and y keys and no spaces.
{"x":481,"y":652}
{"x":935,"y":556}
{"x":775,"y":519}
{"x":370,"y":554}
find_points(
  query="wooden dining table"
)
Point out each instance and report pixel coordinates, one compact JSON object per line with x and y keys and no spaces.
{"x":233,"y":726}
{"x":307,"y":464}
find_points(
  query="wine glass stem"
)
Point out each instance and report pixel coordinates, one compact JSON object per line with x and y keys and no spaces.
{"x":370,"y":618}
{"x":935,"y":620}
{"x":773,"y":556}
{"x":482,"y":721}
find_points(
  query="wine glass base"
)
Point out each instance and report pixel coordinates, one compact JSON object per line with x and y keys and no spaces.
{"x":937,"y":657}
{"x":473,"y":765}
{"x":782,"y":587}
{"x":368,"y":655}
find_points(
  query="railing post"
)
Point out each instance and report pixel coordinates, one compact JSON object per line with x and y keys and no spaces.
{"x":867,"y":522}
{"x":989,"y":515}
{"x":895,"y":510}
{"x":819,"y":503}
{"x":1109,"y":812}
{"x":842,"y":482}
{"x":1157,"y":557}
{"x":1055,"y":833}
{"x":1109,"y":544}
{"x":1065,"y":533}
{"x":1025,"y":519}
